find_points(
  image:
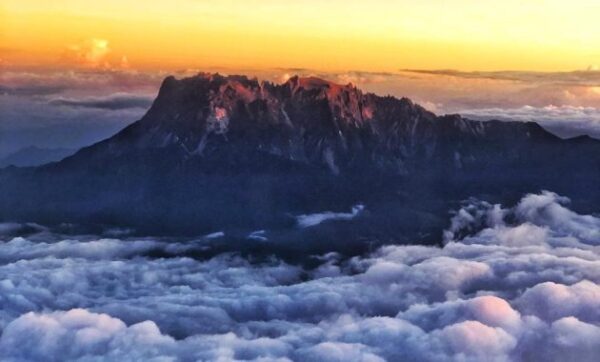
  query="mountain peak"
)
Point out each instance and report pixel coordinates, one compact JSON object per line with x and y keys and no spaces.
{"x":260,"y":149}
{"x":241,"y":83}
{"x":312,"y":121}
{"x":205,"y":96}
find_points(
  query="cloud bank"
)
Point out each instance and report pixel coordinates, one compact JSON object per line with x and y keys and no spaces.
{"x":110,"y":102}
{"x":511,"y":284}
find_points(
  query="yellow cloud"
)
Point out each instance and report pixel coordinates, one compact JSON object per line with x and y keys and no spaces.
{"x":90,"y":52}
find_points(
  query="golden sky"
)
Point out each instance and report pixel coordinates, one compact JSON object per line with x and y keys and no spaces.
{"x":368,"y":35}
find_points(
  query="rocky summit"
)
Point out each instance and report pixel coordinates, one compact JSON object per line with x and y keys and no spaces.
{"x":220,"y":152}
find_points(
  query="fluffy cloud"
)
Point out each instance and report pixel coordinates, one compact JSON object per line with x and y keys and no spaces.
{"x":91,"y":52}
{"x":552,"y":301}
{"x":74,"y":334}
{"x":517,"y":283}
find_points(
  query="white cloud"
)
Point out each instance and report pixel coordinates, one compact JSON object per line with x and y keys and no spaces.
{"x":517,"y":283}
{"x":77,"y":334}
{"x":309,"y":220}
{"x":477,"y":340}
{"x":551,"y":301}
{"x":215,"y":235}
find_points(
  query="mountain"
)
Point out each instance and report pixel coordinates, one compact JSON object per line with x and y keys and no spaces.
{"x":35,"y":156}
{"x":220,"y":152}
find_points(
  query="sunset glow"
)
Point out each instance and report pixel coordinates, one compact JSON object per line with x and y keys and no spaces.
{"x":379,"y":35}
{"x":299,"y":180}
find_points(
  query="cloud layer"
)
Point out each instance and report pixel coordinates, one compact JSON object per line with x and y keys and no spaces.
{"x":517,"y":283}
{"x":110,"y":102}
{"x":588,"y":77}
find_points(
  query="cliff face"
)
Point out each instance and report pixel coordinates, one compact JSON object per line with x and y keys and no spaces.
{"x":211,"y":145}
{"x":319,"y":123}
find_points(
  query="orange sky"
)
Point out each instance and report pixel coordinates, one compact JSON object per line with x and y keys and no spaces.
{"x":376,"y":35}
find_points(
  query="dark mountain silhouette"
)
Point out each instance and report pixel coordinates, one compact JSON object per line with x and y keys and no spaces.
{"x":216,"y":152}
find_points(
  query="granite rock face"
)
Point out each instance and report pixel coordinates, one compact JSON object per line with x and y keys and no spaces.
{"x":320,"y":123}
{"x":227,"y":151}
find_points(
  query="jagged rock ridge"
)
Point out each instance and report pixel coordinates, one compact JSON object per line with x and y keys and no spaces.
{"x":318,"y":122}
{"x":227,"y":151}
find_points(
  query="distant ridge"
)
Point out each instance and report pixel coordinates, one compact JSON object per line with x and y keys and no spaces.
{"x":35,"y":156}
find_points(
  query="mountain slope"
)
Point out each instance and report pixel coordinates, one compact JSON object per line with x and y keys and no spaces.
{"x":218,"y":152}
{"x":35,"y":156}
{"x":312,"y":121}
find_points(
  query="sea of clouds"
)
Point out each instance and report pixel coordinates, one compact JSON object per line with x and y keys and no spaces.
{"x":516,"y":283}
